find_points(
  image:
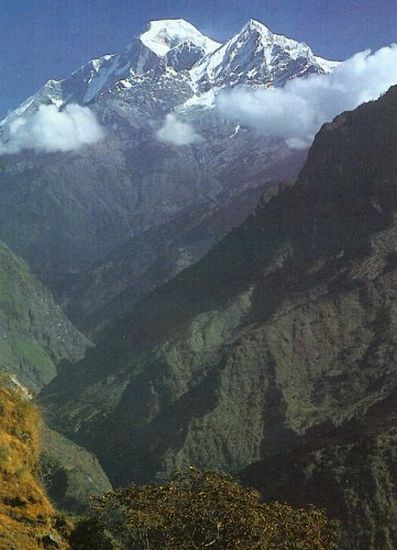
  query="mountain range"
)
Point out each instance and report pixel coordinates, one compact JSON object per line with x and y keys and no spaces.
{"x":70,"y":214}
{"x":255,"y":55}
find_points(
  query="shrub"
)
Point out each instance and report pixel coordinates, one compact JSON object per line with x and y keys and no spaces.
{"x":199,"y":510}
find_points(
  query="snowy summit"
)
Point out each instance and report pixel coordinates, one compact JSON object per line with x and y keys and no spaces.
{"x":164,"y":35}
{"x":189,"y":61}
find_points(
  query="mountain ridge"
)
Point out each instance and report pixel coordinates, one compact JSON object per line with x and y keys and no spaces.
{"x":275,"y":354}
{"x":98,"y":75}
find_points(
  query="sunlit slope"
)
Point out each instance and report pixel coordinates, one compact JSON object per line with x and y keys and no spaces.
{"x":27,"y":518}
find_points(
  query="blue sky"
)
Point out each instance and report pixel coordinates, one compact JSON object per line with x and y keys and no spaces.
{"x":42,"y":39}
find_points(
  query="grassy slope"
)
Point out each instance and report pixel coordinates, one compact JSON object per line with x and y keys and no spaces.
{"x":34,"y":334}
{"x":27,"y":517}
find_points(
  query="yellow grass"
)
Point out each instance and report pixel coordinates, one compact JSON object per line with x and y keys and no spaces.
{"x":26,"y":515}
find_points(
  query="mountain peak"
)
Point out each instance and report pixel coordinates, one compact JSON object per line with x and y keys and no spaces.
{"x":163,"y":35}
{"x":254,"y":24}
{"x":257,"y":55}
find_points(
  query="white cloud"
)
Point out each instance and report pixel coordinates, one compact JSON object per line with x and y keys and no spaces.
{"x":176,"y":132}
{"x":297,"y":111}
{"x":49,"y":130}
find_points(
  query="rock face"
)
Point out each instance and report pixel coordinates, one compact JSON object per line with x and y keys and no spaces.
{"x":68,"y":213}
{"x":286,"y":329}
{"x":34,"y":333}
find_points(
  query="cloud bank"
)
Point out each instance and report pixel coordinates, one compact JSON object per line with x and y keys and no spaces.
{"x":176,"y":132}
{"x":49,"y":130}
{"x":297,"y":111}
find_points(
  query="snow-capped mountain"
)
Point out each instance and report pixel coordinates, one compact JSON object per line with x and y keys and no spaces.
{"x":173,"y":43}
{"x":134,"y":208}
{"x":255,"y":56}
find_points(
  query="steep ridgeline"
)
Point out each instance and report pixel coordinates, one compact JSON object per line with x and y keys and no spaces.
{"x":34,"y":333}
{"x":132,"y":183}
{"x":286,"y":328}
